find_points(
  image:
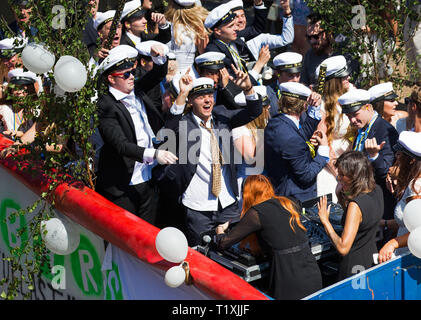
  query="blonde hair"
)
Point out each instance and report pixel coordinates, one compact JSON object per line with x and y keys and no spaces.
{"x":259,"y":123}
{"x":192,"y":18}
{"x":332,"y":91}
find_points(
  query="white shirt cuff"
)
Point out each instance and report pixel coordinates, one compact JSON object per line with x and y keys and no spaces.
{"x":176,"y":109}
{"x":323,"y":151}
{"x":159,"y":60}
{"x":262,"y":6}
{"x":164,"y":26}
{"x":373,"y":159}
{"x":252,"y":96}
{"x":148,"y":155}
{"x":255,"y":75}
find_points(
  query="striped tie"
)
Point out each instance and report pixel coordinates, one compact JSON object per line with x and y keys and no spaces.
{"x":216,"y":162}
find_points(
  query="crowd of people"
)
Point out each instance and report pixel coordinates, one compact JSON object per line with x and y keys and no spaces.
{"x":193,"y":135}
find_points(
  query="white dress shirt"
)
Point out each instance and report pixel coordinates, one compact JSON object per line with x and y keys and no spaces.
{"x":198,"y":195}
{"x":144,"y":134}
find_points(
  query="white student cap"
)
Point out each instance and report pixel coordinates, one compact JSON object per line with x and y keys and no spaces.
{"x":201,"y":86}
{"x":382,"y":91}
{"x":144,"y":49}
{"x":409,"y":143}
{"x":236,"y":5}
{"x":102,"y":18}
{"x":240,"y":98}
{"x":20,"y":77}
{"x":353,"y":100}
{"x":294,"y":90}
{"x":133,"y":9}
{"x":11,"y":46}
{"x":219,"y":16}
{"x":336,"y":67}
{"x":210,"y":60}
{"x":288,"y":61}
{"x":119,"y":58}
{"x":185,"y":3}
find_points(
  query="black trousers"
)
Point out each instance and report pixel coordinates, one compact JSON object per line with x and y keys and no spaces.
{"x":141,"y":200}
{"x":198,"y":222}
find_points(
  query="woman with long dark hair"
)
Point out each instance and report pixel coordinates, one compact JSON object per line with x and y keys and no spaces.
{"x":362,"y":201}
{"x":408,"y":188}
{"x":275,"y":222}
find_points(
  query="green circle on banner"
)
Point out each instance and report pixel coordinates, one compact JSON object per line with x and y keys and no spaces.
{"x":11,"y":239}
{"x":86,"y":268}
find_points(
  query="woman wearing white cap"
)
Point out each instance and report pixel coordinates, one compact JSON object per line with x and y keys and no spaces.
{"x":383,"y":99}
{"x":333,"y":123}
{"x":188,"y":31}
{"x":407,"y":189}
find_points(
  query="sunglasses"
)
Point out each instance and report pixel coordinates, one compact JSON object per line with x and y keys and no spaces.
{"x":126,"y":75}
{"x":314,"y":36}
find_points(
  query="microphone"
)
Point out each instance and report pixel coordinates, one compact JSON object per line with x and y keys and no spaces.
{"x":207,"y":240}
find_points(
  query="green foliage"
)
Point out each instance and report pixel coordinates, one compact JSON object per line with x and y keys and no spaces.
{"x":68,"y":120}
{"x":375,"y":35}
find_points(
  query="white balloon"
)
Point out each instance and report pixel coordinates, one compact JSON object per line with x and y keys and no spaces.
{"x":175,"y":277}
{"x":70,"y":74}
{"x":412,"y":215}
{"x":171,"y":244}
{"x":61,"y":238}
{"x":414,"y":242}
{"x":37,"y":58}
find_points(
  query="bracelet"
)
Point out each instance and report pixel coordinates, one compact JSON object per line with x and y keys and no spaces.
{"x":248,"y":89}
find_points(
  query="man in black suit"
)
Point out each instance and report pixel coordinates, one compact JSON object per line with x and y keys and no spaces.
{"x":222,"y":21}
{"x":211,"y":65}
{"x":376,"y":137}
{"x":259,"y":23}
{"x":204,"y":178}
{"x":128,"y":122}
{"x":134,"y":20}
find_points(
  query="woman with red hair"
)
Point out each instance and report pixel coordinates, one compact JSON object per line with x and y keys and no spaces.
{"x":294,"y":273}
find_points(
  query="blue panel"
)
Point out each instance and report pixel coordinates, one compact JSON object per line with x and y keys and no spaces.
{"x":395,"y":280}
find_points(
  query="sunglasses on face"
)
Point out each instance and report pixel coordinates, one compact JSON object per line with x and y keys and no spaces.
{"x":125,"y":75}
{"x":314,"y":36}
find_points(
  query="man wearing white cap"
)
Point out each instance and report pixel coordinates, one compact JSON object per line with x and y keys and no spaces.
{"x":291,"y":161}
{"x":259,"y":21}
{"x":128,"y":122}
{"x":222,"y":20}
{"x":375,"y":137}
{"x":102,"y":24}
{"x":134,"y":23}
{"x":152,"y":61}
{"x":204,"y":179}
{"x":211,"y":65}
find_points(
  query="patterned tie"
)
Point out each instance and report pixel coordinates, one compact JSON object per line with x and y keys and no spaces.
{"x":216,"y":162}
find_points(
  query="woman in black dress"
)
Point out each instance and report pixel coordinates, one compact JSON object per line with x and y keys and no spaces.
{"x":294,"y":273}
{"x":363,"y":200}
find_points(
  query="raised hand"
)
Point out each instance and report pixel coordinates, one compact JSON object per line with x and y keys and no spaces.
{"x":224,"y":77}
{"x":242,"y":80}
{"x":372,"y":147}
{"x":324,"y":209}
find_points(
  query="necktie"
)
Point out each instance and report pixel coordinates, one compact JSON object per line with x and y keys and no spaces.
{"x":216,"y":162}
